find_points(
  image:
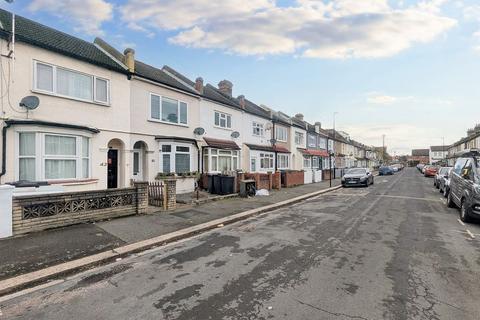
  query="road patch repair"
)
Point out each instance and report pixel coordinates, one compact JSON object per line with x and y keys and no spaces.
{"x":39,"y":277}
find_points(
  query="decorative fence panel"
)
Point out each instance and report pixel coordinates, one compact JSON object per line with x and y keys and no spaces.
{"x":40,"y":212}
{"x":156,"y":193}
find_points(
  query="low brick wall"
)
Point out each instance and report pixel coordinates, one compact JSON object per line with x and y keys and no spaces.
{"x":293,"y":178}
{"x":41,"y":212}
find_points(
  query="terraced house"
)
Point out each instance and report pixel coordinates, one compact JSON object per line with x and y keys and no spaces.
{"x":104,"y":119}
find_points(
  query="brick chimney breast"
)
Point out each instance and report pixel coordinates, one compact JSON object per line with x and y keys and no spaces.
{"x":199,"y":85}
{"x":241,"y":101}
{"x":130,"y":59}
{"x":226,"y":87}
{"x":299,"y":116}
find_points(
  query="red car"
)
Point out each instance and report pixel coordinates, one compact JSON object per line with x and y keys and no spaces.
{"x":430,"y":171}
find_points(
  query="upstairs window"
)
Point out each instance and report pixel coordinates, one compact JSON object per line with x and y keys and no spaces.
{"x":281,"y":133}
{"x":312,"y":141}
{"x":70,"y":84}
{"x":257,"y":129}
{"x":168,"y":110}
{"x":299,"y":138}
{"x":223,"y":120}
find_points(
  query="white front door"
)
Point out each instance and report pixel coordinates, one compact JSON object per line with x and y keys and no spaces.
{"x":137,"y":165}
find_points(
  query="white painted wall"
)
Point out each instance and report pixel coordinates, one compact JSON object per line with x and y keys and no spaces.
{"x":6,"y":192}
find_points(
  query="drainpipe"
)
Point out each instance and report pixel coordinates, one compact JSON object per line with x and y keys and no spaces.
{"x":4,"y":149}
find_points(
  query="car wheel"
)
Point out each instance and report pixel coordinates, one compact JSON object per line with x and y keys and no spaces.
{"x":450,"y":202}
{"x":464,"y":216}
{"x":373,"y":181}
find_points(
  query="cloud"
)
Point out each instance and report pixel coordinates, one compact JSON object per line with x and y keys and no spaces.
{"x":381,"y":99}
{"x":86,"y":16}
{"x":336,"y":29}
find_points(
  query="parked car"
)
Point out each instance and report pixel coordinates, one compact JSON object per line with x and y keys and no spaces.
{"x":420,"y":167}
{"x":357,"y":177}
{"x":440,"y":173}
{"x":464,"y":185}
{"x":444,"y":182}
{"x":430,"y":171}
{"x":385,"y":171}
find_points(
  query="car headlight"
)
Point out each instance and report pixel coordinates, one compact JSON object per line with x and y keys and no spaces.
{"x":363,"y":178}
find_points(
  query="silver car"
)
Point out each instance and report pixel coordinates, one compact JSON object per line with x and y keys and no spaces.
{"x":357,"y":177}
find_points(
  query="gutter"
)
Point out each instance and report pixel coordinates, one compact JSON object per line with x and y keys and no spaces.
{"x":4,"y":148}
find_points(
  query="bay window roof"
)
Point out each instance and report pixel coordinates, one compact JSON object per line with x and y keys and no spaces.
{"x":221,"y":144}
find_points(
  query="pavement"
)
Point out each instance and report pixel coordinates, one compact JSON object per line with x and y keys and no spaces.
{"x":392,"y":251}
{"x":37,"y":251}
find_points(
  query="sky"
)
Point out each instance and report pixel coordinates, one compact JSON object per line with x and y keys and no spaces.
{"x":409,"y":70}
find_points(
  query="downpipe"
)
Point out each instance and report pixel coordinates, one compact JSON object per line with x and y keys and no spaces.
{"x":4,"y":149}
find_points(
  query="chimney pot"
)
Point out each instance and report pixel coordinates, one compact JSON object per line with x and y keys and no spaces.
{"x":130,"y":59}
{"x":225,"y":87}
{"x":299,"y":116}
{"x":199,"y":85}
{"x":241,"y":101}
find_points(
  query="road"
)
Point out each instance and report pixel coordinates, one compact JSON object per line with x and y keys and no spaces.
{"x":392,"y":251}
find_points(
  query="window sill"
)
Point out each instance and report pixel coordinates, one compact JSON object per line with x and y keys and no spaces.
{"x":226,"y":129}
{"x":73,"y":182}
{"x":70,"y":98}
{"x":169,"y":123}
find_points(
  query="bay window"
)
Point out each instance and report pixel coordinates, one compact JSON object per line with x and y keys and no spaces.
{"x":175,"y":158}
{"x":69,"y":83}
{"x":218,"y":160}
{"x":223,"y":120}
{"x":282,"y":161}
{"x":49,"y":156}
{"x":168,"y":110}
{"x":266,"y":161}
{"x":307,"y":163}
{"x":312,"y":141}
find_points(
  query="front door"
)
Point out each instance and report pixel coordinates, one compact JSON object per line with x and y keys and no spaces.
{"x":137,"y":165}
{"x":112,"y":169}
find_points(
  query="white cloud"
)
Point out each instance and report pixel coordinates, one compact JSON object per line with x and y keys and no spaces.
{"x":309,"y":28}
{"x":381,"y":99}
{"x":86,"y":16}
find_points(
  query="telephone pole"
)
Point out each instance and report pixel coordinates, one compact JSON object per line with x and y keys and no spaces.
{"x":383,"y":148}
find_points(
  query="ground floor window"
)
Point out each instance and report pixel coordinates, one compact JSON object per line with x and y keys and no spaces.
{"x":283,"y":161}
{"x":307,"y":163}
{"x":175,"y":158}
{"x":51,"y":156}
{"x":219,"y":160}
{"x":266,"y":161}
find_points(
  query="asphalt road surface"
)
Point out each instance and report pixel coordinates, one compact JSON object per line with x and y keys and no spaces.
{"x":392,"y":251}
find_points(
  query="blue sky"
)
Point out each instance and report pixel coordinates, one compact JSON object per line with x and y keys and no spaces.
{"x":406,"y":69}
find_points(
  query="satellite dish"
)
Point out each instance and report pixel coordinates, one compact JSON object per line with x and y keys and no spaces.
{"x":273,"y":141}
{"x":235,"y":134}
{"x":30,"y":102}
{"x":199,"y":131}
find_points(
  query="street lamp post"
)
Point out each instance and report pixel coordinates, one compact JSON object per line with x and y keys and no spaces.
{"x":333,"y":148}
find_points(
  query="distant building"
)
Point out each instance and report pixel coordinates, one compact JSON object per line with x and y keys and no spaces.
{"x":421,"y":155}
{"x":438,"y":153}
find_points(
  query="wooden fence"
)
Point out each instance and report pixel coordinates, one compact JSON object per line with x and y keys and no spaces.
{"x":156,"y":194}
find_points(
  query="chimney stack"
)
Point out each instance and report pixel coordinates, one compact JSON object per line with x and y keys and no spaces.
{"x":318,"y":126}
{"x":299,"y":116}
{"x":241,"y":101}
{"x":130,"y":59}
{"x":199,"y":85}
{"x":225,"y":87}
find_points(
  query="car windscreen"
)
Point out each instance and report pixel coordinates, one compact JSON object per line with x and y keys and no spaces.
{"x":477,"y":165}
{"x":356,"y":171}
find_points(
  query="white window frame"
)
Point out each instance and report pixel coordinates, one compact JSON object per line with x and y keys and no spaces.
{"x":267,"y":156}
{"x":179,"y":102}
{"x":257,"y":126}
{"x":299,"y":138}
{"x":283,"y":137}
{"x":211,"y":153}
{"x":222,"y":115}
{"x":286,"y":158}
{"x":41,"y":157}
{"x":172,"y":153}
{"x":54,"y":84}
{"x":314,"y":145}
{"x":307,"y":159}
